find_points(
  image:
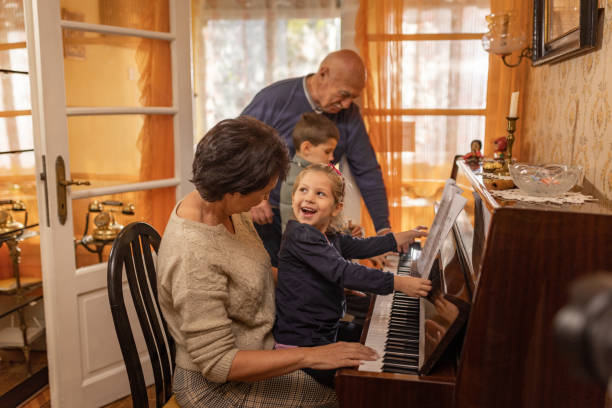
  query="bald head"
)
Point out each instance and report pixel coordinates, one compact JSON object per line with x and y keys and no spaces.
{"x":339,"y":80}
{"x":345,"y":66}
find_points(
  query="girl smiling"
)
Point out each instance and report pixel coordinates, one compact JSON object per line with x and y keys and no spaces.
{"x":314,"y":269}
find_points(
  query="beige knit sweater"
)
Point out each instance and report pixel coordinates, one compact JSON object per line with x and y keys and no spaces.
{"x":216,"y":292}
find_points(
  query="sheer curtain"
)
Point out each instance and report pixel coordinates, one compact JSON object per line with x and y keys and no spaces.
{"x":504,"y":80}
{"x":242,"y":46}
{"x":425,"y":97}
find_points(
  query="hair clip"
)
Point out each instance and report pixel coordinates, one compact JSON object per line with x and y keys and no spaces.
{"x":330,"y":164}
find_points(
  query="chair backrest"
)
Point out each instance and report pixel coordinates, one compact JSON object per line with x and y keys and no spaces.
{"x":131,"y":252}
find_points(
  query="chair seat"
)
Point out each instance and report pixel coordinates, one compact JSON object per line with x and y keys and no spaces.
{"x":172,"y":403}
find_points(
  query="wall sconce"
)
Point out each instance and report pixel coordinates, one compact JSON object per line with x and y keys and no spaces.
{"x":504,"y":37}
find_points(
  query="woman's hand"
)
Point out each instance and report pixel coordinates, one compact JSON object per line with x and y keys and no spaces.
{"x":411,"y":286}
{"x":405,"y":238}
{"x":336,"y":355}
{"x":254,"y":365}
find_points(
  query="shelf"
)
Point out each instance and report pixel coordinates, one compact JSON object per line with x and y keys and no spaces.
{"x":9,"y":286}
{"x":12,"y":71}
{"x":17,"y":151}
{"x":19,"y":234}
{"x":12,"y":303}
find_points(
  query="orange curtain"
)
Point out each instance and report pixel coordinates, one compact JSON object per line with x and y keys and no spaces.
{"x":504,"y":80}
{"x":383,"y":92}
{"x":156,"y":140}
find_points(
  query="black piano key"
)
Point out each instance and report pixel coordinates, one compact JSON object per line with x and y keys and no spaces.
{"x":401,"y":354}
{"x":405,"y":305}
{"x":390,"y":348}
{"x":410,"y":350}
{"x":402,"y":342}
{"x":397,"y":370}
{"x":411,"y":315}
{"x":401,"y":331}
{"x":400,"y":365}
{"x":405,"y":317}
{"x":402,"y":324}
{"x":400,"y":361}
{"x":405,"y":310}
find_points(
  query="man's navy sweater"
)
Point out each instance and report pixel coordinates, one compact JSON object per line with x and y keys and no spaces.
{"x":281,"y":104}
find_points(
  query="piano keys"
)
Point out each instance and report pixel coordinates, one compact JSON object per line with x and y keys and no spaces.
{"x":394,"y":325}
{"x":485,"y":336}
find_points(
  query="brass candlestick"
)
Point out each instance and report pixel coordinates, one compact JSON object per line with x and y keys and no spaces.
{"x":509,"y":141}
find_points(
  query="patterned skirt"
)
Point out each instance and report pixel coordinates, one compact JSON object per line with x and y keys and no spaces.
{"x":296,"y":389}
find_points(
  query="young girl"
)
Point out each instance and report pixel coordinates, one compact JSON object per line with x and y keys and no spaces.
{"x":313,"y":269}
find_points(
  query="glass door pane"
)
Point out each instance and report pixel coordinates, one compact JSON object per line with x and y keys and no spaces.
{"x":139,"y":14}
{"x":118,"y":140}
{"x":20,"y":261}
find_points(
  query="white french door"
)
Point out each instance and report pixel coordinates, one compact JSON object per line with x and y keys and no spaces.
{"x":95,"y":106}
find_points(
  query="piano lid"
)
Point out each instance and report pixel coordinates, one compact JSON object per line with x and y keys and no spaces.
{"x":446,"y":308}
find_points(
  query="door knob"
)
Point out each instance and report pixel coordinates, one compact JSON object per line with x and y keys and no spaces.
{"x":62,"y":187}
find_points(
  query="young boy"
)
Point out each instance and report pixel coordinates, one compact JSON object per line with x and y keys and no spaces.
{"x":315,"y":137}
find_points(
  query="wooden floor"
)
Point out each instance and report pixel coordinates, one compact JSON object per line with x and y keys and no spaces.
{"x":42,"y":400}
{"x":13,"y":373}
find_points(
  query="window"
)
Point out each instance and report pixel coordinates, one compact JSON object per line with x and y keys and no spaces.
{"x":241,"y":48}
{"x":426,"y":97}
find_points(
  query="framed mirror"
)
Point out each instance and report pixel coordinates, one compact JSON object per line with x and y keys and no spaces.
{"x":563,"y":29}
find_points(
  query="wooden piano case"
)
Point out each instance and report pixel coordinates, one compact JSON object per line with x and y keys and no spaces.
{"x":522,"y":258}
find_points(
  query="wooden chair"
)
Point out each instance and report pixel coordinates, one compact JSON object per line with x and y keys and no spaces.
{"x":131,"y":252}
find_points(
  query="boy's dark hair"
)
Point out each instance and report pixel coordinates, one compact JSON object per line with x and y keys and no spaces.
{"x":239,"y":155}
{"x":314,"y":128}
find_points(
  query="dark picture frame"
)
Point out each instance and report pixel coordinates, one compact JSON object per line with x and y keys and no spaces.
{"x":571,"y":42}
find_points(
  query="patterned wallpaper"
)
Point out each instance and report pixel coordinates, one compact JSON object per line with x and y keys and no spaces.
{"x":568,"y":112}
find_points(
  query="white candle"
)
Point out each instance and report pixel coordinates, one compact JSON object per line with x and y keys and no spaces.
{"x":513,"y":105}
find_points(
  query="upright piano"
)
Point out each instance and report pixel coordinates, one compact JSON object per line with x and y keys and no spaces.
{"x":484,"y":337}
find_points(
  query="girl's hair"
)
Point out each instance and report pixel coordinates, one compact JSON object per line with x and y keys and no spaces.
{"x":337,"y":188}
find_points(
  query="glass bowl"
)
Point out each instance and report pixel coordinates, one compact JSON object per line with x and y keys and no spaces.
{"x":545,"y":180}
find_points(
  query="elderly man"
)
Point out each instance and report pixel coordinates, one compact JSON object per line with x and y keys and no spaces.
{"x":330,"y":91}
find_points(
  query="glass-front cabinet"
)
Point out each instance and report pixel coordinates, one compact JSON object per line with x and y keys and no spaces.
{"x":22,"y":326}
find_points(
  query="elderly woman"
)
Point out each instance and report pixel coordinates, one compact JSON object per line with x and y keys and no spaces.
{"x":216,"y":288}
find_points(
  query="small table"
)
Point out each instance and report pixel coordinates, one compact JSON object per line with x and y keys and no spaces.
{"x":11,"y":304}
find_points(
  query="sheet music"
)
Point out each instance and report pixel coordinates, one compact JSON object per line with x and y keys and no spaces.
{"x":450,"y":206}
